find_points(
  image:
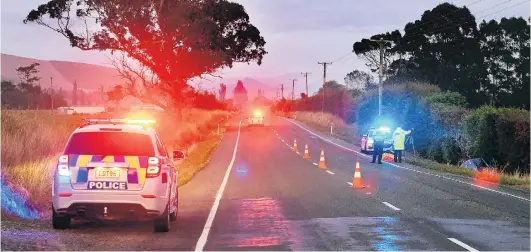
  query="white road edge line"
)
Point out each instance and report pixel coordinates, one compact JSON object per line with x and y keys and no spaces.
{"x":330,"y":172}
{"x":409,"y":169}
{"x":391,"y":206}
{"x":201,"y":242}
{"x":462,"y":244}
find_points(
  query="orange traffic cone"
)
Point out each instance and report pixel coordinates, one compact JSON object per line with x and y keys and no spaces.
{"x":306,"y":153}
{"x":295,"y":147}
{"x":356,"y":182}
{"x":322,"y":163}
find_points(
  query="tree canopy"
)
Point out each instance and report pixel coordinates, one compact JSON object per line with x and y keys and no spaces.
{"x":488,"y":64}
{"x":174,"y":42}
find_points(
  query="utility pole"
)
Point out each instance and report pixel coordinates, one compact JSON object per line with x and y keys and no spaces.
{"x":381,"y":42}
{"x":293,"y":90}
{"x":282,"y":89}
{"x":306,"y":76}
{"x":324,"y":81}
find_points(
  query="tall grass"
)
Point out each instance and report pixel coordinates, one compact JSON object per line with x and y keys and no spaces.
{"x":32,"y":141}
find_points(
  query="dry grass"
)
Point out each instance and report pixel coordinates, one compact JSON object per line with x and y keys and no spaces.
{"x":32,"y":141}
{"x":346,"y":132}
{"x":197,"y":159}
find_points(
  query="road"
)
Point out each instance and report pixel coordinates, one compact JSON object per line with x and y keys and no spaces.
{"x":257,"y":194}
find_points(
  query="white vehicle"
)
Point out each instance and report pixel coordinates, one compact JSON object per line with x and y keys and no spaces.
{"x":367,"y":141}
{"x":115,"y":169}
{"x":256,"y":119}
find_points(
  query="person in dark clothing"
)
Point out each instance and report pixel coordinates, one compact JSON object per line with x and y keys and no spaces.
{"x":378,"y":147}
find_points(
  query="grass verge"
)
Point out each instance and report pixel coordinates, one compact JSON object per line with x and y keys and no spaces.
{"x":197,"y":159}
{"x":321,"y":122}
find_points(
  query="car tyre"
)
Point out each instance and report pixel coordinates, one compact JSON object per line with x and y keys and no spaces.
{"x":173,"y":215}
{"x":60,"y":222}
{"x":162,"y":223}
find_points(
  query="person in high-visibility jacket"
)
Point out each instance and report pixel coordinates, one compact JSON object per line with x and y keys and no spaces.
{"x":399,"y":139}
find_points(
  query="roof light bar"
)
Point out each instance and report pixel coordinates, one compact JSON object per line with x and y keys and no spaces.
{"x":87,"y":121}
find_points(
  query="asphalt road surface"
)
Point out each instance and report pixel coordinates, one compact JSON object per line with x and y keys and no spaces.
{"x":258,"y":194}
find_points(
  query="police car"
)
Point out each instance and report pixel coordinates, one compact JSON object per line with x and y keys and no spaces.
{"x":115,"y":169}
{"x":367,"y":140}
{"x":256,"y":119}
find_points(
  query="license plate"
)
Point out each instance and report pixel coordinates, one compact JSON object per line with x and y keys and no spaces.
{"x":107,"y":173}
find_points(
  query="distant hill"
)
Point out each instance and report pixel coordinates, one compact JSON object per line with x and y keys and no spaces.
{"x":91,"y":77}
{"x":88,"y":77}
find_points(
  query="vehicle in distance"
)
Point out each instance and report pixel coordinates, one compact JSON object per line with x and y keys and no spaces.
{"x":257,"y":118}
{"x":115,"y":169}
{"x":367,"y":140}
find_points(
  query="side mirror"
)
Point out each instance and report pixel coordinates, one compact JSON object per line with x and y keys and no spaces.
{"x":178,"y":155}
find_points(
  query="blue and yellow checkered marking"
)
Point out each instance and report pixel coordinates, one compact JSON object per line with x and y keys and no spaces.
{"x":136,"y":174}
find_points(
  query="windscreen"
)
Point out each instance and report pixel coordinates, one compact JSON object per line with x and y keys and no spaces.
{"x":110,"y":143}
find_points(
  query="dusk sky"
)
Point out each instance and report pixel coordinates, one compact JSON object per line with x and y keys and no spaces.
{"x":298,"y":33}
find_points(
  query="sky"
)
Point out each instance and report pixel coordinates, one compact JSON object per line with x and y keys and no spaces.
{"x":298,"y":34}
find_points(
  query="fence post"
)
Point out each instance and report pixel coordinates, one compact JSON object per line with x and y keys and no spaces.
{"x":331,"y":128}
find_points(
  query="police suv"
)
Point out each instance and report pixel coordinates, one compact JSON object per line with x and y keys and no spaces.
{"x":115,"y":169}
{"x":367,"y":140}
{"x":256,"y":119}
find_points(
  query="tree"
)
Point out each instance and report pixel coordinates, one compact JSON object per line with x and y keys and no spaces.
{"x":331,"y":86}
{"x":82,"y":97}
{"x":304,"y":96}
{"x":222,"y":92}
{"x":370,"y":50}
{"x":28,"y":84}
{"x":173,"y":43}
{"x":358,"y":80}
{"x":240,"y":94}
{"x":74,"y":94}
{"x":505,"y":46}
{"x":115,"y":95}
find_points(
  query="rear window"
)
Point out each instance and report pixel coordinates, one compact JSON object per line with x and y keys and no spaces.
{"x":110,"y":143}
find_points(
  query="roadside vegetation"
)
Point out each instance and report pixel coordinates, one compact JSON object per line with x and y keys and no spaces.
{"x":32,"y":141}
{"x":321,"y":121}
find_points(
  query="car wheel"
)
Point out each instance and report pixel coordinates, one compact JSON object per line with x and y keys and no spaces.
{"x":173,"y":215}
{"x":60,"y":222}
{"x":162,"y":223}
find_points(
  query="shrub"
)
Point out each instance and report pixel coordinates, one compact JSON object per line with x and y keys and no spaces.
{"x":500,"y":136}
{"x":448,"y":98}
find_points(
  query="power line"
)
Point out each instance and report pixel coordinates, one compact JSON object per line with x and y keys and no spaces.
{"x":340,"y":58}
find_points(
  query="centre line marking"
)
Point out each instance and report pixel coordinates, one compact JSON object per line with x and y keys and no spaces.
{"x":391,"y":206}
{"x":201,"y":242}
{"x":330,"y":172}
{"x":462,"y":244}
